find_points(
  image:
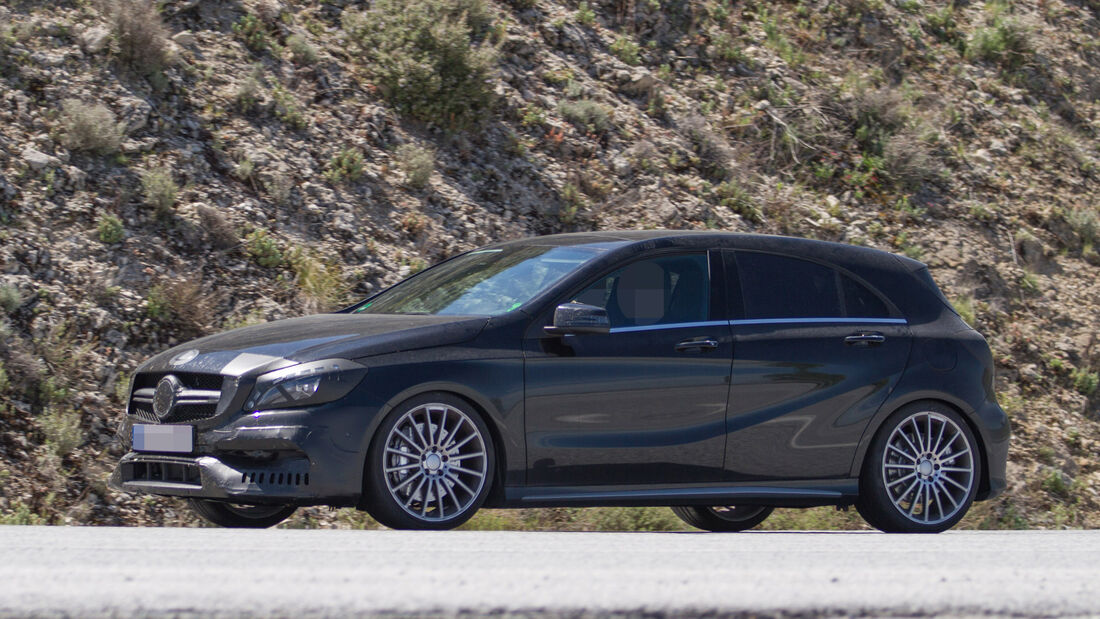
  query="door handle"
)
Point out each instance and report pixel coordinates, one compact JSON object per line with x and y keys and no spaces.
{"x":701,"y":343}
{"x":865,"y":339}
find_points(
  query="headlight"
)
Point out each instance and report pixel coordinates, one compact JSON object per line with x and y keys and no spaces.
{"x":306,"y":384}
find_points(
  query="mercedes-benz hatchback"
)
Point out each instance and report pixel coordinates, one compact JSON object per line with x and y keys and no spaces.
{"x":719,"y":374}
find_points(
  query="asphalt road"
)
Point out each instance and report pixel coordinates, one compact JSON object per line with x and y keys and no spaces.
{"x":75,"y":571}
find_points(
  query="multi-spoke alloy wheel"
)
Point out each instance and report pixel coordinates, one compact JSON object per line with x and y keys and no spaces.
{"x":922,"y":473}
{"x":723,"y":517}
{"x":434,"y":462}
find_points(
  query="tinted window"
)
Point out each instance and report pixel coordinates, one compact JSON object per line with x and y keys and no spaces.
{"x":483,"y":282}
{"x":781,"y":287}
{"x":665,"y":290}
{"x":859,"y":302}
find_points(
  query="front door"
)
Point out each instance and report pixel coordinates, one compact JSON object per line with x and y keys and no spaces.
{"x":645,"y":403}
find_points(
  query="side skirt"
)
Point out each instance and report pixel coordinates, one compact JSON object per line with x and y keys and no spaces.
{"x":808,"y":493}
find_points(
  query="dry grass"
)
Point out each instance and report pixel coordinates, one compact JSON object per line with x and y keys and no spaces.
{"x":89,"y":127}
{"x":218,"y":229}
{"x":141,"y":36}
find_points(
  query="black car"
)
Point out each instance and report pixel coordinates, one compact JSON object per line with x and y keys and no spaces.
{"x":719,"y":374}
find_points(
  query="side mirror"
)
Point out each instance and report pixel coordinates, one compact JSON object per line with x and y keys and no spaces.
{"x":578,"y":318}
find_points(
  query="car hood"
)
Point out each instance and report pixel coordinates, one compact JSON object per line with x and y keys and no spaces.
{"x":277,"y":344}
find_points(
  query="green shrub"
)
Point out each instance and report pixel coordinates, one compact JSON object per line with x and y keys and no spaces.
{"x":110,"y":229}
{"x":1006,"y":41}
{"x":418,"y":163}
{"x":141,"y":36}
{"x":585,"y":15}
{"x":301,"y":51}
{"x":9,"y":298}
{"x":89,"y":127}
{"x":733,"y":196}
{"x":21,"y":514}
{"x":62,"y":430}
{"x":586,"y":115}
{"x":159,"y":190}
{"x":638,"y":519}
{"x":1085,"y":382}
{"x":1055,"y":483}
{"x":626,"y":49}
{"x":157,"y":305}
{"x":428,"y":57}
{"x":263,"y":249}
{"x":346,"y":165}
{"x":965,"y":307}
{"x":252,"y":32}
{"x":5,"y":382}
{"x":1086,"y":223}
{"x":286,"y":108}
{"x":248,"y":91}
{"x":320,"y":284}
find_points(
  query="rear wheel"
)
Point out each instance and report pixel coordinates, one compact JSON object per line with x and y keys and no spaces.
{"x":430,"y":464}
{"x":239,"y":516}
{"x":723,"y":518}
{"x":921,"y":472}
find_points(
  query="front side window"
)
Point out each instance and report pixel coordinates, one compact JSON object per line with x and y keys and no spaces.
{"x":655,"y":291}
{"x":485,"y":282}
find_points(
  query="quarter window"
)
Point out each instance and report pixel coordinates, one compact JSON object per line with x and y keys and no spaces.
{"x":859,"y":302}
{"x":656,"y":291}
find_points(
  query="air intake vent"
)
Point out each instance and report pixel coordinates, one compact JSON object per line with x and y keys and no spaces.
{"x":270,"y":478}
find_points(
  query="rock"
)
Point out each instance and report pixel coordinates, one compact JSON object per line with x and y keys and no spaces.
{"x":185,"y":38}
{"x":135,"y":114}
{"x":94,"y":39}
{"x":639,"y":81}
{"x":982,"y":156}
{"x":832,"y":202}
{"x":36,"y":159}
{"x":997,"y":147}
{"x":621,"y":166}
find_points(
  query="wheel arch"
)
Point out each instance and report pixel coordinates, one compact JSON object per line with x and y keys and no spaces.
{"x":966,"y":412}
{"x":481,"y":405}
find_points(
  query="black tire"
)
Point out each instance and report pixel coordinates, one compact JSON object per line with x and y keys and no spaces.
{"x":430,"y":464}
{"x":723,"y":518}
{"x":899,"y":492}
{"x":241,"y":516}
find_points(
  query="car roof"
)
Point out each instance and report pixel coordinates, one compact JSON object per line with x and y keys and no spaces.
{"x":632,"y":240}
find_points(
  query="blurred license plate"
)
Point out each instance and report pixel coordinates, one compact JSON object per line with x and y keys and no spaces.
{"x":177,"y":439}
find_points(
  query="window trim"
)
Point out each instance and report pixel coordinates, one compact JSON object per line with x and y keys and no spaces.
{"x":762,"y":322}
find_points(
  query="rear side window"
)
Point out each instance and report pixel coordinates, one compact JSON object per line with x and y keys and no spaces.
{"x":782,"y":287}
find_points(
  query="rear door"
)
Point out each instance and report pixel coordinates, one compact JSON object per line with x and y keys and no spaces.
{"x":816,"y":351}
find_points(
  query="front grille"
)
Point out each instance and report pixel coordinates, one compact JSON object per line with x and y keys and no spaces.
{"x":191,"y":380}
{"x":196,"y":399}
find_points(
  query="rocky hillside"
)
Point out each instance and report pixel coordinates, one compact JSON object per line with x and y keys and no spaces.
{"x":172,"y":171}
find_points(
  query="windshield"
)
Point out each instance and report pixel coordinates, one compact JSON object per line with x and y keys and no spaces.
{"x":483,"y":282}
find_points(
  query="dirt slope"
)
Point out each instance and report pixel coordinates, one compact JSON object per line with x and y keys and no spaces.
{"x":167,"y":174}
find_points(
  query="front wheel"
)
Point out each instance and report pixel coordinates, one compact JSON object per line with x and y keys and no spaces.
{"x":430,"y":464}
{"x":237,"y":516}
{"x":921,"y":472}
{"x":723,"y":518}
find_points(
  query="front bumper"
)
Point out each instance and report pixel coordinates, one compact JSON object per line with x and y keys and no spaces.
{"x":301,"y":457}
